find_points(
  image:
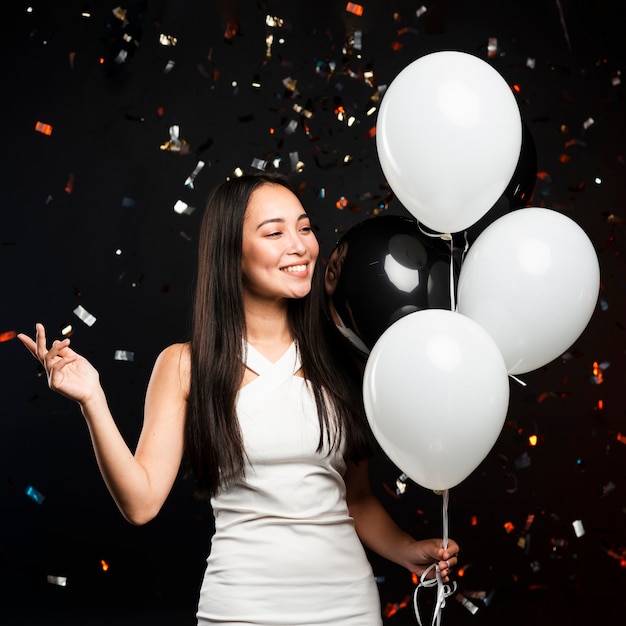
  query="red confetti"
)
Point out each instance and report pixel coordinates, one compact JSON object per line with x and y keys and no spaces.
{"x":69,"y":186}
{"x":352,"y":7}
{"x":393,"y":607}
{"x":7,"y":336}
{"x":232,"y":28}
{"x":44,"y":129}
{"x":342,"y":203}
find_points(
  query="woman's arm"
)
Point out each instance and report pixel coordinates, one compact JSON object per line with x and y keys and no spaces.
{"x":380,"y":533}
{"x":140,"y":482}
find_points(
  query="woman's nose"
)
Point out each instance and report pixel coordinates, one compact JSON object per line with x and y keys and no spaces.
{"x":296,"y":245}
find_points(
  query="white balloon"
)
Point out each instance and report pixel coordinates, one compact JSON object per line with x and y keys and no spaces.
{"x":436,"y":393}
{"x":532,"y":280}
{"x":449,"y":136}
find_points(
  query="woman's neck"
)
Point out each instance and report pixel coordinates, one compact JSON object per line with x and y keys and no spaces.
{"x":267,"y":326}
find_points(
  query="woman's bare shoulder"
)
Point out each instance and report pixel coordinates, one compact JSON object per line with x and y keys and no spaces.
{"x":179,"y":351}
{"x":176,"y":357}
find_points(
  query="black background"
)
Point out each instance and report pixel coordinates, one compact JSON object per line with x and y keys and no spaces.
{"x":100,"y":183}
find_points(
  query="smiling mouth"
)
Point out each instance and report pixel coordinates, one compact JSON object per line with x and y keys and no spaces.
{"x":295,"y":268}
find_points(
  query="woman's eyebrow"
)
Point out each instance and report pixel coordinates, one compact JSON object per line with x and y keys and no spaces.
{"x":271,"y":220}
{"x":280,"y":220}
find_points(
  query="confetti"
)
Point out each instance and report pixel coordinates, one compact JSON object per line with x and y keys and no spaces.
{"x":175,"y":143}
{"x":259,"y":164}
{"x":121,"y":57}
{"x":119,"y":13}
{"x":391,"y":608}
{"x":167,"y":40}
{"x":232,"y":28}
{"x":190,"y":181}
{"x":563,"y":24}
{"x":356,"y":9}
{"x":522,"y":461}
{"x":273,"y":21}
{"x":608,"y":488}
{"x":44,"y":129}
{"x":291,"y":127}
{"x":578,"y":528}
{"x":342,"y":203}
{"x":124,"y":355}
{"x":290,"y":85}
{"x":69,"y":185}
{"x":7,"y":336}
{"x":470,"y":606}
{"x":84,"y":315}
{"x":401,"y":484}
{"x":59,"y":581}
{"x":296,"y":164}
{"x":182,"y":208}
{"x":34,"y":495}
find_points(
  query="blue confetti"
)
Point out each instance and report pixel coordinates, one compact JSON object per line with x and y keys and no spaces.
{"x":35,"y":495}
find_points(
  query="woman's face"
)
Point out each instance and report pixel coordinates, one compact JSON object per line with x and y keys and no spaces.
{"x":279,"y":249}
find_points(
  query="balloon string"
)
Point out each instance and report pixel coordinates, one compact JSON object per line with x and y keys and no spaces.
{"x":517,"y":380}
{"x":465,"y":247}
{"x":445,"y":496}
{"x":445,"y":237}
{"x":452,"y":295}
{"x":444,"y":590}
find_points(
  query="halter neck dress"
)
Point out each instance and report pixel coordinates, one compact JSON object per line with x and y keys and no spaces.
{"x":285,"y":551}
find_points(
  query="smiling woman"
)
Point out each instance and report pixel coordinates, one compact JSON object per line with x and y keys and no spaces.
{"x":267,"y":409}
{"x":279,"y":248}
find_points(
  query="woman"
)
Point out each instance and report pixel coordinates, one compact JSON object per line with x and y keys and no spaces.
{"x":268,"y":413}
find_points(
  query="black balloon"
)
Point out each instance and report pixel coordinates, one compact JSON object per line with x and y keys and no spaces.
{"x":380,"y":270}
{"x":519,"y":191}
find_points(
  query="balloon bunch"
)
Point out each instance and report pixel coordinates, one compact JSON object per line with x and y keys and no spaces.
{"x":459,"y":158}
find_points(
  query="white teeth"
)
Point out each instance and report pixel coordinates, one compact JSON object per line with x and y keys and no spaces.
{"x":295,"y":268}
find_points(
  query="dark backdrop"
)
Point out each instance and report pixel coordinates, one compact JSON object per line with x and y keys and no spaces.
{"x":88,"y":219}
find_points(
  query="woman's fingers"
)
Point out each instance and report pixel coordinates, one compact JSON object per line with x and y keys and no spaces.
{"x":31,"y":346}
{"x":40,"y":338}
{"x":58,"y":352}
{"x":58,"y":356}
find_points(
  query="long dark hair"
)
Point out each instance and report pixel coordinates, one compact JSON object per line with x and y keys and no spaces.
{"x":213,"y":441}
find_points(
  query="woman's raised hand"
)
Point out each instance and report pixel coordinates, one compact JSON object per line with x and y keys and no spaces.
{"x":67,"y":372}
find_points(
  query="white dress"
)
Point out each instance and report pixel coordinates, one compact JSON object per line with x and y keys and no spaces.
{"x":285,"y":551}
